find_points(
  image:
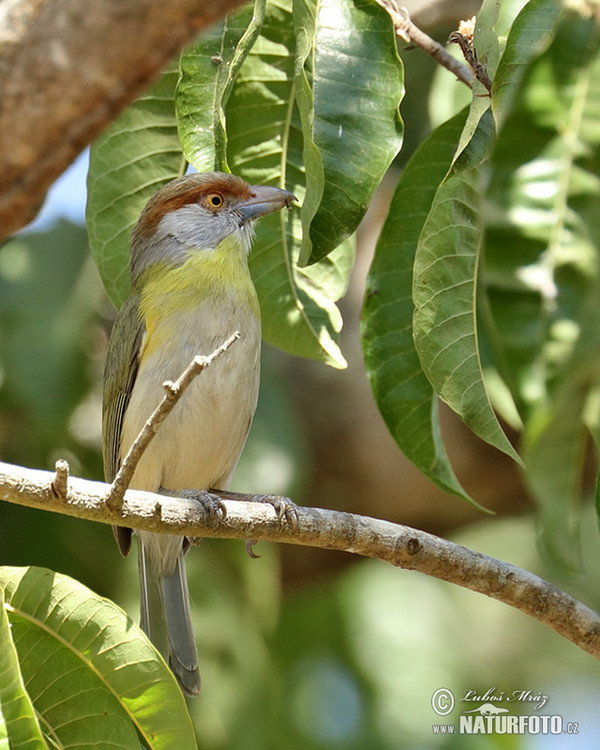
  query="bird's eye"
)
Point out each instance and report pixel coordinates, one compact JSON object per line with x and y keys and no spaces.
{"x":214,"y":200}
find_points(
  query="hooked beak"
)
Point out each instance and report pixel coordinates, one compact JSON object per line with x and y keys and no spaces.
{"x":264,"y":200}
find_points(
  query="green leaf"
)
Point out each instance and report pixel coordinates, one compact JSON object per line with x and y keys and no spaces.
{"x":542,"y":236}
{"x":541,"y":265}
{"x":403,"y":394}
{"x":207,"y":74}
{"x":299,"y":314}
{"x":265,"y":147}
{"x":129,"y":162}
{"x":530,"y":34}
{"x":305,"y":24}
{"x":350,"y":84}
{"x":18,"y":722}
{"x":556,"y":441}
{"x":91,"y":674}
{"x":4,"y":744}
{"x":444,"y":287}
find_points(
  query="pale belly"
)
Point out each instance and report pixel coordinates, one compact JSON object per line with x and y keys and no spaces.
{"x":199,"y":443}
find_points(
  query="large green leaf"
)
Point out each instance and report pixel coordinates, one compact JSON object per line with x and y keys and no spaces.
{"x":129,"y":162}
{"x":18,"y":722}
{"x":92,"y":676}
{"x":207,"y":73}
{"x":350,"y":83}
{"x":402,"y":392}
{"x":445,"y":277}
{"x":265,"y":146}
{"x":541,"y":268}
{"x":542,"y":236}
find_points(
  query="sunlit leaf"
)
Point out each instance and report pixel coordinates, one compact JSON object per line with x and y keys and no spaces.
{"x":265,"y":147}
{"x":18,"y":722}
{"x":556,"y":439}
{"x":90,"y":673}
{"x":129,"y":162}
{"x":350,"y":83}
{"x":207,"y":74}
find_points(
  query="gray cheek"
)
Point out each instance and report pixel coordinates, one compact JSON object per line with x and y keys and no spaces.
{"x":194,"y":226}
{"x":189,"y":227}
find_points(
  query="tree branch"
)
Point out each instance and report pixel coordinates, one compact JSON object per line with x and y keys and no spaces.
{"x":399,"y":545}
{"x":412,"y":34}
{"x":66,"y":70}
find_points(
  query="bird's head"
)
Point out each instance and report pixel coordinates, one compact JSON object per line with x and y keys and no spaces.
{"x":197,"y":212}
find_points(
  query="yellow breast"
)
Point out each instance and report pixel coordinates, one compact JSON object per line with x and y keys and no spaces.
{"x":219,"y":278}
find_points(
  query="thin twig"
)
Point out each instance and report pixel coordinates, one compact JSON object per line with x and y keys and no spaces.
{"x":399,"y":545}
{"x":464,"y":38}
{"x":407,"y":30}
{"x":59,"y":484}
{"x":173,"y":392}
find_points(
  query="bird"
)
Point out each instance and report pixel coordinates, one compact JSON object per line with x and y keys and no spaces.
{"x":190,"y":289}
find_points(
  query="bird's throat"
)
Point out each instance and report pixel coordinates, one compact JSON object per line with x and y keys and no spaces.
{"x":219,"y":275}
{"x":218,"y":278}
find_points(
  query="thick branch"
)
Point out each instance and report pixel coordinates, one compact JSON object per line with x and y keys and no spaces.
{"x":66,"y":70}
{"x":399,"y":545}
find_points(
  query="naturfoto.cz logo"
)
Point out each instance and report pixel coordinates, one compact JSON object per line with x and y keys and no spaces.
{"x":490,"y":718}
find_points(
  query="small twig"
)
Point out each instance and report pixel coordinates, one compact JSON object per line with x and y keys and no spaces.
{"x":407,"y":30}
{"x":464,"y":38}
{"x":59,"y":484}
{"x":173,"y":392}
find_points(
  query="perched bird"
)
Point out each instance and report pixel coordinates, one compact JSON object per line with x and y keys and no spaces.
{"x":190,"y":289}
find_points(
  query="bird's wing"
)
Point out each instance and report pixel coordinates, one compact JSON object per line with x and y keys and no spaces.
{"x":120,"y":372}
{"x":121,"y":369}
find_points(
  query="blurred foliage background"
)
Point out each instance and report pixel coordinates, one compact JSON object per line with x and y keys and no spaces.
{"x":300,"y":648}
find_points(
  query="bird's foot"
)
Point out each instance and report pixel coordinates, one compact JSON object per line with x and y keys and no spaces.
{"x":211,"y":504}
{"x":215,"y":508}
{"x":285,"y":509}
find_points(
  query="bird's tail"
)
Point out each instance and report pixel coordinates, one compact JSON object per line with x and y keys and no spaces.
{"x":166,"y":620}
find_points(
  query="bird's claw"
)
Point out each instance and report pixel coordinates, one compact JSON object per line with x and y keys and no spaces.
{"x":285,"y":509}
{"x":214,"y":507}
{"x":211,"y":504}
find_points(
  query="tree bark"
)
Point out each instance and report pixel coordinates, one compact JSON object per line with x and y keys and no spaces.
{"x":67,"y":68}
